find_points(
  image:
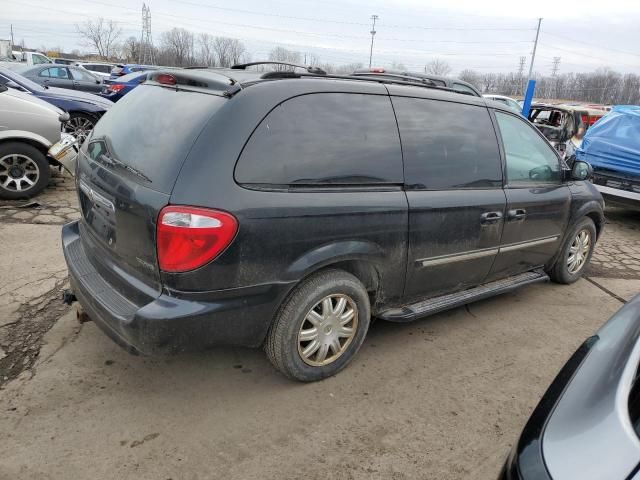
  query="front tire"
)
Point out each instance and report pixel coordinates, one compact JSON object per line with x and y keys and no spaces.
{"x":80,"y":126}
{"x":575,"y":254}
{"x":320,"y":327}
{"x":24,"y":171}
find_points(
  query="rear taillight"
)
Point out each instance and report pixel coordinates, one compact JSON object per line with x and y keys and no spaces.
{"x":190,"y":237}
{"x":376,"y":70}
{"x":115,"y":88}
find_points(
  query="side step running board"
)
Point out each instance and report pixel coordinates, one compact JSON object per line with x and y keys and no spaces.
{"x":423,"y":308}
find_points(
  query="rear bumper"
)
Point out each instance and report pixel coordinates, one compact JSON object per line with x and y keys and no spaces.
{"x":618,"y":188}
{"x":170,"y":323}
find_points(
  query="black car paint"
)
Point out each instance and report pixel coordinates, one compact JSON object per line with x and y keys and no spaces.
{"x":285,"y":234}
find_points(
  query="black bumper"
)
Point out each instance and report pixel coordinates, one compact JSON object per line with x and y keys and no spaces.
{"x":170,"y":323}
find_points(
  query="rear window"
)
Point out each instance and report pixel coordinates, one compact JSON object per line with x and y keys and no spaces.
{"x":152,"y":129}
{"x":324,"y":138}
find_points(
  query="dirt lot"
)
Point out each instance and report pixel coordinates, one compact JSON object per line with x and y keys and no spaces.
{"x":442,"y":398}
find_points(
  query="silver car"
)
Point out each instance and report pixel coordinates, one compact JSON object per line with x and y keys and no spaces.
{"x":29,"y":127}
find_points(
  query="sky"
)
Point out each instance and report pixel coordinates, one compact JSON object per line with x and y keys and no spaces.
{"x":487,"y":36}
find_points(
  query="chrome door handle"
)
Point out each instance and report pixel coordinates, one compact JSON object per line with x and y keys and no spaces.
{"x":516,"y":214}
{"x":490,"y":217}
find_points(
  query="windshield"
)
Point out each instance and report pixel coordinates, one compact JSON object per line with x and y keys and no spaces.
{"x":22,"y":81}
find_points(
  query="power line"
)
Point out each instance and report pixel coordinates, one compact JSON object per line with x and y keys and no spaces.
{"x":593,"y":45}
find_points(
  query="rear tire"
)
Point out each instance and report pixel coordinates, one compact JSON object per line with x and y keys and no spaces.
{"x":24,"y":171}
{"x":320,"y":327}
{"x":575,"y":254}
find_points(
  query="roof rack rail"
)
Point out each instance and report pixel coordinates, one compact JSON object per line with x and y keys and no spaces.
{"x":400,"y":80}
{"x":314,"y":70}
{"x":396,"y":75}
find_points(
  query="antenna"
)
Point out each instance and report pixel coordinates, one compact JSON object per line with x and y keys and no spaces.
{"x":146,"y":42}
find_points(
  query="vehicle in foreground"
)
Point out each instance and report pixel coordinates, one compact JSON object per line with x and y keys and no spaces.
{"x":125,"y":69}
{"x":114,"y":90}
{"x":436,"y":81}
{"x":28,"y":128}
{"x":84,"y":109}
{"x":508,"y":101}
{"x":587,"y":424}
{"x":612,"y":146}
{"x":63,"y":76}
{"x":559,"y":123}
{"x":285,"y":209}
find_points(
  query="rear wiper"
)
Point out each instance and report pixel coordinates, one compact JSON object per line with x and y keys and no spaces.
{"x":117,"y":163}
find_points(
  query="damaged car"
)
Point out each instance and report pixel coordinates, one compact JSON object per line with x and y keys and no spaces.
{"x":560,"y":123}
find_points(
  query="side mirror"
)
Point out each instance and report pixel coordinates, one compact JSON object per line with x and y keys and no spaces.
{"x":581,"y":171}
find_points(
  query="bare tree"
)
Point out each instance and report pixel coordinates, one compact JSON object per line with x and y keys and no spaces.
{"x":130,"y":49}
{"x":207,"y":55}
{"x":280,"y":54}
{"x":100,"y":34}
{"x":438,"y":67}
{"x":178,"y":47}
{"x":228,"y":51}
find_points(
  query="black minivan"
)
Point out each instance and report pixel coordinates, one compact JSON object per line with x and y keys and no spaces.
{"x":286,"y":209}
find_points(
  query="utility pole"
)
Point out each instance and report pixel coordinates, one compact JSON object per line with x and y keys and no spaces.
{"x":11,"y":38}
{"x":373,"y":33}
{"x":554,"y":67}
{"x":145,"y":55}
{"x":535,"y":46}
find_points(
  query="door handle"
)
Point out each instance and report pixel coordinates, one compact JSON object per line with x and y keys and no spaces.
{"x":490,"y":217}
{"x":76,"y":83}
{"x":516,"y":214}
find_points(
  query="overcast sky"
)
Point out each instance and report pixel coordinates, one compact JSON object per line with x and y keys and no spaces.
{"x":487,"y":36}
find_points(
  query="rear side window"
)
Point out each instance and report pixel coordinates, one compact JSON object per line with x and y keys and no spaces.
{"x":151,"y":130}
{"x":447,"y":145}
{"x":324,"y":138}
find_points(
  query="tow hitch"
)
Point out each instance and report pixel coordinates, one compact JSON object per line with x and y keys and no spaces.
{"x":68,"y":297}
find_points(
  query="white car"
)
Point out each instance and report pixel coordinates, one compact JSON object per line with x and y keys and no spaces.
{"x":508,"y":101}
{"x":31,"y":58}
{"x":102,"y":70}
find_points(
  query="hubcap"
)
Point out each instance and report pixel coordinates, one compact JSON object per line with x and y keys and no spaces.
{"x":79,"y":127}
{"x":327,"y":330}
{"x":579,"y":251}
{"x":18,"y":173}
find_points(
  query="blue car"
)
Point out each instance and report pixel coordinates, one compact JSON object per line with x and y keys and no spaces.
{"x":85,"y":109}
{"x":126,"y":69}
{"x":114,"y":90}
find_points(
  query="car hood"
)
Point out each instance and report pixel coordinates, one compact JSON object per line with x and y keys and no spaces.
{"x":78,"y":96}
{"x":27,"y":97}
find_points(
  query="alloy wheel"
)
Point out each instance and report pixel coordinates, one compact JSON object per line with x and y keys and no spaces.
{"x":18,"y":173}
{"x":327,"y":330}
{"x":79,"y":127}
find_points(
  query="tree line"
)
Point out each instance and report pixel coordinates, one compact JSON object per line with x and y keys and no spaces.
{"x":180,"y":47}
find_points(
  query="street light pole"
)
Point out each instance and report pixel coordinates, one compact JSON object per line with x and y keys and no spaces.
{"x":373,"y":33}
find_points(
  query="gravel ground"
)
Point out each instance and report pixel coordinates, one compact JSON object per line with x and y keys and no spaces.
{"x":442,"y":398}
